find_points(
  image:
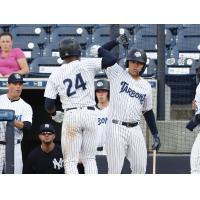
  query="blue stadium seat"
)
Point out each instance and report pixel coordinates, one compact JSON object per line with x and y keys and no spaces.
{"x":51,"y":49}
{"x":146,"y":38}
{"x":45,"y":65}
{"x":6,"y":27}
{"x":30,"y":49}
{"x":29,"y":34}
{"x":1,"y":30}
{"x":188,"y":39}
{"x":69,"y":31}
{"x":101,"y":35}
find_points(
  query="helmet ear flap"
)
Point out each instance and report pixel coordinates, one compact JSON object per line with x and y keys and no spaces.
{"x":126,"y":63}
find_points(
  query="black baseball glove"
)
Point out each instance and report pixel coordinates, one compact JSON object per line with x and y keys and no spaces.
{"x":123,"y":40}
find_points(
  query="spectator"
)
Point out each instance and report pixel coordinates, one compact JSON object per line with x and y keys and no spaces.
{"x":46,"y":158}
{"x":11,"y":59}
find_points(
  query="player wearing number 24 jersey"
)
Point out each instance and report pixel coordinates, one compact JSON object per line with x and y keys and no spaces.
{"x":74,"y":83}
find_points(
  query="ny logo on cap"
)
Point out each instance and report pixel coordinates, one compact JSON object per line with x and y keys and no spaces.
{"x":100,"y":83}
{"x":46,"y":125}
{"x":137,"y":54}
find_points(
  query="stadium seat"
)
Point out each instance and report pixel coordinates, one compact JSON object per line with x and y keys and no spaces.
{"x":29,"y":34}
{"x":30,"y":49}
{"x":5,"y":27}
{"x":101,"y":35}
{"x":69,"y":31}
{"x":45,"y":65}
{"x":188,"y":39}
{"x":1,"y":30}
{"x":146,"y":38}
{"x":51,"y":49}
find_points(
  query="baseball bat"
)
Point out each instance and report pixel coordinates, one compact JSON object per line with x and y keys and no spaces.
{"x":154,"y":161}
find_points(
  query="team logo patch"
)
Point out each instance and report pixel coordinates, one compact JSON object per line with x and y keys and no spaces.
{"x":46,"y":125}
{"x":17,"y":76}
{"x":137,"y":54}
{"x":99,"y":84}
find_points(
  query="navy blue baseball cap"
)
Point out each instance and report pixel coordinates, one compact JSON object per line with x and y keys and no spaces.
{"x":15,"y":78}
{"x":47,"y":128}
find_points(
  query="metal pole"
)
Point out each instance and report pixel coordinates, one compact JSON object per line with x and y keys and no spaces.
{"x":10,"y":147}
{"x":161,"y":71}
{"x":114,"y":33}
{"x":9,"y":116}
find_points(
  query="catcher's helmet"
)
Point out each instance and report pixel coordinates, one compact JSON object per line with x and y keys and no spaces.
{"x":102,"y":84}
{"x":69,"y":47}
{"x":138,"y":55}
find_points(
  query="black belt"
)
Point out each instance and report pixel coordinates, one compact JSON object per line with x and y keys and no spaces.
{"x":18,"y":141}
{"x":3,"y":142}
{"x":88,"y":107}
{"x":127,"y":124}
{"x":99,"y":148}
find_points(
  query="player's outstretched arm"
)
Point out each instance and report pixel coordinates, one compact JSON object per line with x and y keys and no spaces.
{"x":193,"y":122}
{"x":151,"y":122}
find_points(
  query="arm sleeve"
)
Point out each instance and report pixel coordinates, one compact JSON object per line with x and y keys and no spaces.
{"x":109,"y":45}
{"x":148,"y":99}
{"x":19,"y":53}
{"x":151,"y":122}
{"x":49,"y":104}
{"x":27,"y":125}
{"x":197,"y":100}
{"x":107,"y":58}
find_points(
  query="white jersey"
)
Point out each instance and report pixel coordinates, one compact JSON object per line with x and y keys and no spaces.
{"x":23,"y":112}
{"x":197,"y":100}
{"x":102,"y":117}
{"x":136,"y":95}
{"x":74,"y":83}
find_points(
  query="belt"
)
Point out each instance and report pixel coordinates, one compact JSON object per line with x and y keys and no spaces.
{"x":88,"y":107}
{"x":4,"y":142}
{"x":99,"y":148}
{"x":18,"y":141}
{"x":127,"y":124}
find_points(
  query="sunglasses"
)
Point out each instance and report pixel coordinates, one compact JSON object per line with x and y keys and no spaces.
{"x":46,"y":133}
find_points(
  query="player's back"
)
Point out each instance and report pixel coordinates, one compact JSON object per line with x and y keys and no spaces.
{"x":74,"y":83}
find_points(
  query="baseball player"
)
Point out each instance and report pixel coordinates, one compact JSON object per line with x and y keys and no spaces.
{"x":102,"y":88}
{"x":130,"y":97}
{"x":23,"y":120}
{"x":74,"y":83}
{"x":194,"y":122}
{"x":46,"y":158}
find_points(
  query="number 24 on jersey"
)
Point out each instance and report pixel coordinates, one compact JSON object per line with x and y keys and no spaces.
{"x":78,"y":83}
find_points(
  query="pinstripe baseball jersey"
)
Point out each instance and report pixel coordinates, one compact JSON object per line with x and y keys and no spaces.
{"x":74,"y":83}
{"x":23,"y":112}
{"x":135,"y":94}
{"x":102,"y":116}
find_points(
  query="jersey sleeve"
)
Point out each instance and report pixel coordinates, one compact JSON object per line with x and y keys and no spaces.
{"x":28,"y":113}
{"x":148,"y":99}
{"x":92,"y":64}
{"x":50,"y":89}
{"x":197,"y":100}
{"x":114,"y":71}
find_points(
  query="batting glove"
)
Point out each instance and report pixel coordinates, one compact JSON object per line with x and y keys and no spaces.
{"x":93,"y":52}
{"x":156,"y":142}
{"x":123,"y":40}
{"x":58,"y":117}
